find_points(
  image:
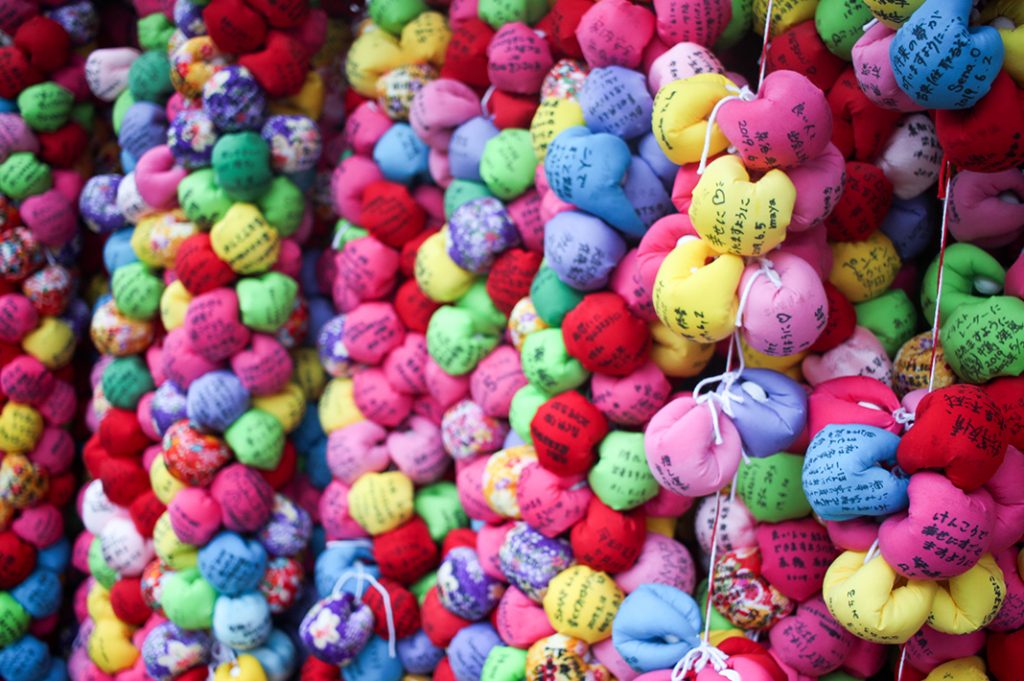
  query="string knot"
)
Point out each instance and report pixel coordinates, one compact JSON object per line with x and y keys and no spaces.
{"x":903,"y":416}
{"x":698,"y":658}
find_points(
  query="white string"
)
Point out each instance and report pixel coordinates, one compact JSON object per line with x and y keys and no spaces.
{"x":743,"y":93}
{"x":764,"y":45}
{"x":903,"y":416}
{"x":903,"y":660}
{"x":485,"y":100}
{"x":715,"y":400}
{"x":873,"y":552}
{"x":870,"y":25}
{"x":705,"y":653}
{"x":938,"y":288}
{"x":768,"y":270}
{"x":361,"y":575}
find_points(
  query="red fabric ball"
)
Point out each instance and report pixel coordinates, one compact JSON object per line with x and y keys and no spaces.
{"x":234,"y":26}
{"x":510,"y":277}
{"x":608,"y":540}
{"x":405,"y":610}
{"x":123,"y":480}
{"x":280,"y":67}
{"x":407,"y":552}
{"x":512,"y":111}
{"x":462,"y":536}
{"x":121,"y":435}
{"x":1008,"y":394}
{"x":565,"y":431}
{"x":605,"y":336}
{"x":801,"y":49}
{"x":282,"y":13}
{"x":63,"y":147}
{"x":958,"y":430}
{"x":842,"y":320}
{"x":866,"y":200}
{"x":860,"y":128}
{"x":316,"y":670}
{"x":466,"y":57}
{"x":560,"y":24}
{"x":283,"y":473}
{"x":407,"y":258}
{"x":127,"y":601}
{"x":199,"y":268}
{"x":439,"y":624}
{"x":45,"y":42}
{"x":62,"y":489}
{"x":93,"y":455}
{"x":390,"y":213}
{"x":413,"y":307}
{"x":200,"y":673}
{"x":443,"y":671}
{"x":989,"y":136}
{"x":145,"y":511}
{"x":16,"y":73}
{"x":1004,"y":655}
{"x":752,"y":650}
{"x":17,"y":560}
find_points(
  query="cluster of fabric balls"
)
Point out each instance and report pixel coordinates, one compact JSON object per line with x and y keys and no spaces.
{"x":508,"y":340}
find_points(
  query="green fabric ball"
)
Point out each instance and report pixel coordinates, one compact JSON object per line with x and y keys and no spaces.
{"x":497,"y":13}
{"x":393,"y":15}
{"x":14,"y":620}
{"x":969,"y":276}
{"x":125,"y":381}
{"x":552,"y":298}
{"x":772,"y":488}
{"x":508,"y":163}
{"x":621,"y":477}
{"x":985,"y":340}
{"x":462,"y":191}
{"x":522,"y":409}
{"x":739,"y":24}
{"x":345,"y":231}
{"x":548,"y":365}
{"x":265,"y":302}
{"x":257,"y":439}
{"x":46,"y":106}
{"x":424,"y":584}
{"x":202,"y":199}
{"x":149,"y":77}
{"x":155,"y":31}
{"x":84,"y":113}
{"x":439,"y":506}
{"x":23,"y":175}
{"x":283,"y":206}
{"x":98,"y":568}
{"x":241,"y":164}
{"x":504,"y":663}
{"x":123,"y":102}
{"x":137,"y":291}
{"x":891,"y":317}
{"x":188,"y":599}
{"x":487,"y":318}
{"x":840,"y":24}
{"x":454,"y":341}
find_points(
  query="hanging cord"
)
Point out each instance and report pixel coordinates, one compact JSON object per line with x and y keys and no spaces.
{"x":485,"y":100}
{"x":768,"y":270}
{"x":938,"y":290}
{"x":903,"y":661}
{"x":765,"y":43}
{"x":361,"y":576}
{"x":715,"y":400}
{"x":705,"y":653}
{"x":873,"y":552}
{"x":743,"y":93}
{"x":903,"y":416}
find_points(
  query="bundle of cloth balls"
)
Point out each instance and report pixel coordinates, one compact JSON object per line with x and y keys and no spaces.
{"x":512,"y":340}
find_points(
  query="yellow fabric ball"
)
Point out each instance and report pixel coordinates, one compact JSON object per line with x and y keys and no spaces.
{"x":288,"y":406}
{"x":676,"y":356}
{"x":245,"y":240}
{"x":20,"y":428}
{"x":863,"y":270}
{"x":110,"y":646}
{"x":381,"y":501}
{"x":174,"y":304}
{"x":52,"y":343}
{"x":552,"y":117}
{"x":582,"y":602}
{"x":967,"y":602}
{"x":438,"y":276}
{"x":697,"y":300}
{"x":679,"y":119}
{"x":337,"y":407}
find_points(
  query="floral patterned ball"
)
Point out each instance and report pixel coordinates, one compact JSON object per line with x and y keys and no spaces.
{"x":562,"y":658}
{"x":463,"y":586}
{"x":168,"y":406}
{"x":234,"y":100}
{"x":523,"y":321}
{"x":564,"y":80}
{"x":288,"y":530}
{"x":466,"y":431}
{"x":742,"y":595}
{"x":150,"y":585}
{"x":330,"y":344}
{"x":397,"y":88}
{"x":282,"y":583}
{"x":478,"y":231}
{"x":169,"y":650}
{"x":336,"y":629}
{"x":191,"y":138}
{"x":530,"y":560}
{"x":294,"y":141}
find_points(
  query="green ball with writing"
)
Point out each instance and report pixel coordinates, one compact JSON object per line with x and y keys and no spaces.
{"x":241,"y":164}
{"x":772,"y":489}
{"x":14,"y":619}
{"x":621,"y":477}
{"x":508,"y":163}
{"x":840,"y":24}
{"x":552,"y":298}
{"x":454,"y":341}
{"x":891,"y":316}
{"x":504,"y":663}
{"x":393,"y":15}
{"x":136,"y":291}
{"x":525,"y":403}
{"x":439,"y":506}
{"x":548,"y":365}
{"x":125,"y":381}
{"x":187,"y":599}
{"x":202,"y":199}
{"x":486,"y":317}
{"x":257,"y":439}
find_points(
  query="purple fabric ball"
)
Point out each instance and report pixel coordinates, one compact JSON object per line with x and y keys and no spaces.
{"x":98,"y":204}
{"x":168,"y":406}
{"x":530,"y":560}
{"x":463,"y":586}
{"x":330,"y":344}
{"x":189,"y":18}
{"x":295,"y":143}
{"x":288,"y":530}
{"x":478,"y":231}
{"x":234,"y":100}
{"x":336,"y":629}
{"x":169,"y":650}
{"x":191,"y":138}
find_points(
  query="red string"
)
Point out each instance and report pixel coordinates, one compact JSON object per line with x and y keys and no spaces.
{"x":937,"y":321}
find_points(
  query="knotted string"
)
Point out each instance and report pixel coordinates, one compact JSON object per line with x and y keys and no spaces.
{"x":361,"y":576}
{"x":705,"y":653}
{"x":715,"y":400}
{"x":903,"y":416}
{"x":765,"y":42}
{"x":938,"y":290}
{"x":743,"y":93}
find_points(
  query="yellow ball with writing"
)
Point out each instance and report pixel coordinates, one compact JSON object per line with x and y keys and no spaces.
{"x":680,"y":116}
{"x":165,"y":486}
{"x":52,"y":343}
{"x":174,"y":553}
{"x":245,"y":240}
{"x":892,"y":13}
{"x":961,"y":669}
{"x":738,"y":216}
{"x":174,"y":305}
{"x":426,"y":38}
{"x":374,"y":53}
{"x":785,"y":14}
{"x":696,"y":291}
{"x":968,"y":602}
{"x":110,"y":646}
{"x":157,"y":237}
{"x":438,"y":276}
{"x":863,"y":270}
{"x":552,"y":117}
{"x":337,"y":407}
{"x":582,"y":602}
{"x":20,"y":428}
{"x":788,"y":365}
{"x":381,"y":501}
{"x":866,"y":600}
{"x":308,"y":373}
{"x":288,"y":406}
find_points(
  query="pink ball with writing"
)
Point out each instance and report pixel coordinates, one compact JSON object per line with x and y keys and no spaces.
{"x":551,"y":503}
{"x":633,"y":399}
{"x":695,"y":21}
{"x":520,"y":622}
{"x":357,"y":449}
{"x":861,"y":354}
{"x":615,"y":33}
{"x":786,"y":309}
{"x":495,"y":381}
{"x":438,"y":108}
{"x":795,"y":556}
{"x":819,"y":184}
{"x":681,"y":61}
{"x":195,"y":516}
{"x":662,"y":561}
{"x":518,"y":59}
{"x":810,"y":640}
{"x":213,"y":326}
{"x":416,"y":450}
